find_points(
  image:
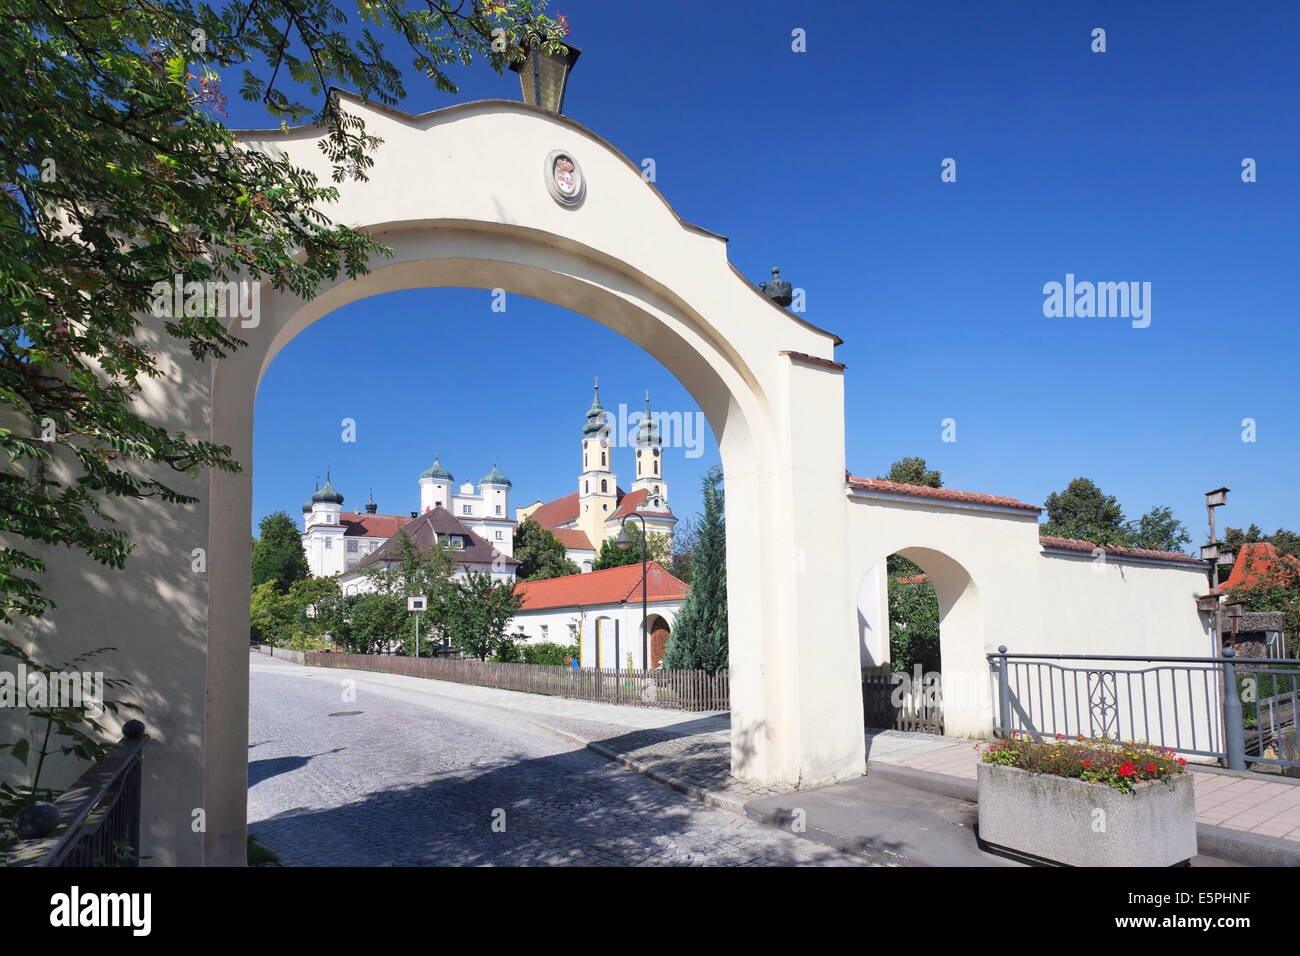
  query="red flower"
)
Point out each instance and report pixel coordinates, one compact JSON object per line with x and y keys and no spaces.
{"x":1087,"y":763}
{"x":1151,"y":768}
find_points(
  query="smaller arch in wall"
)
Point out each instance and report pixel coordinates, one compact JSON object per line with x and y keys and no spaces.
{"x":967,"y":709}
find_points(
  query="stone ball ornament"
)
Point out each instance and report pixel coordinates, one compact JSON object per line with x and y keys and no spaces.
{"x":564,"y":179}
{"x":36,"y":820}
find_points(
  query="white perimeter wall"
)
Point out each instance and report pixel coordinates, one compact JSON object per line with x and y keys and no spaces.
{"x":997,"y":586}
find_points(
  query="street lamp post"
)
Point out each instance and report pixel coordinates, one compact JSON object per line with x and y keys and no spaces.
{"x":645,"y":599}
{"x":1212,"y":554}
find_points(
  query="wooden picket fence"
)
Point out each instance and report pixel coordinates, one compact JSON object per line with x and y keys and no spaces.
{"x":675,"y":690}
{"x":919,"y":713}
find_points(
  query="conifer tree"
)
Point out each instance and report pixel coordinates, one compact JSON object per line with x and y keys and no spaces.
{"x":699,"y":637}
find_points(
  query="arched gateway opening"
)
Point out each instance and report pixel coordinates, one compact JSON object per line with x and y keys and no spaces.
{"x":908,"y":681}
{"x":462,"y":198}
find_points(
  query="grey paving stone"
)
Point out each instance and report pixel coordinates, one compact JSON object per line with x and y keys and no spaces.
{"x":417,"y":779}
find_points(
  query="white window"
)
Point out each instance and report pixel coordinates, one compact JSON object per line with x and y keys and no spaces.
{"x":544,"y":632}
{"x":329,"y":542}
{"x":352,"y":547}
{"x":464,"y":509}
{"x":498,"y":509}
{"x":498,"y":535}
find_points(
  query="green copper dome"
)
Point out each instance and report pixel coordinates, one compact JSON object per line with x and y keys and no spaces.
{"x":437,"y":471}
{"x":328,"y":494}
{"x":494,"y":477}
{"x":596,"y":424}
{"x":306,"y":507}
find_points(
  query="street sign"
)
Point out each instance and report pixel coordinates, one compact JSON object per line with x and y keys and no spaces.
{"x":417,"y":603}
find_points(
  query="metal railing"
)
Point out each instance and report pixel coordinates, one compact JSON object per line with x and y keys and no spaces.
{"x":1236,"y":709}
{"x":99,"y":815}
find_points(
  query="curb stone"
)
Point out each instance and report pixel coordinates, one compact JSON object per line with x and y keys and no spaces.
{"x":696,"y":793}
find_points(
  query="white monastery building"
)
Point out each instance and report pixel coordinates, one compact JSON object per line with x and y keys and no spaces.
{"x":477,"y":517}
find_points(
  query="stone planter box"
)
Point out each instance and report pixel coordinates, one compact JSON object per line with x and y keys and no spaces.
{"x":1055,"y":819}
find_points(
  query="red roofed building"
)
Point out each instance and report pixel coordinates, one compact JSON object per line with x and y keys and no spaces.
{"x":1258,"y":563}
{"x":601,"y":612}
{"x":595,"y":512}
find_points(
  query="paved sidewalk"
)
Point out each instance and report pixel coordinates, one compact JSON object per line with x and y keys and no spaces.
{"x":1248,"y":802}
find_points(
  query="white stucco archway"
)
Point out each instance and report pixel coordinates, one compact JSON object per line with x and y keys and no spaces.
{"x":459,"y":196}
{"x":961,"y":630}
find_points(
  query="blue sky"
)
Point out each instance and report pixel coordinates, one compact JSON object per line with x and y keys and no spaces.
{"x":1115,"y":166}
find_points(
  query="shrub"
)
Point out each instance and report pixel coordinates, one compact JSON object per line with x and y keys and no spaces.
{"x":1114,"y":763}
{"x":553,"y":654}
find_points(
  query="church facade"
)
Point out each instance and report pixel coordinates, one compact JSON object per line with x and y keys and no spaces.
{"x":475,"y":518}
{"x":597,"y":510}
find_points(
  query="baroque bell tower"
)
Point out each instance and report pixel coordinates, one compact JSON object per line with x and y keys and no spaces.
{"x":597,"y":486}
{"x":650,"y":461}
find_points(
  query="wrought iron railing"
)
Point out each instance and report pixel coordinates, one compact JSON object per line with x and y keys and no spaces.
{"x":99,"y":815}
{"x":1241,"y":710}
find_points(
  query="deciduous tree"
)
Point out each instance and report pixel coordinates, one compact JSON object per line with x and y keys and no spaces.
{"x":120,"y":179}
{"x":278,"y":557}
{"x":540,"y":553}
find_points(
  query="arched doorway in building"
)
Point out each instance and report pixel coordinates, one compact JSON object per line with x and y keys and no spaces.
{"x":660,"y":631}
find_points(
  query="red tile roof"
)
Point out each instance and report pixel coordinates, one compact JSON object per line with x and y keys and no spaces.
{"x":628,"y":504}
{"x":372,"y":526}
{"x":1255,"y":561}
{"x":942,"y":494}
{"x":612,"y":586}
{"x":560,"y":511}
{"x":1076,"y":544}
{"x":572,"y":538}
{"x":565,"y":510}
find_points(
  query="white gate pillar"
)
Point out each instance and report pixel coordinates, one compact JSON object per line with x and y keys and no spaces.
{"x":796,"y":685}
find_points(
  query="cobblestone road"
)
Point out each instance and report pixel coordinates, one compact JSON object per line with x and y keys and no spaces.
{"x":400,"y":778}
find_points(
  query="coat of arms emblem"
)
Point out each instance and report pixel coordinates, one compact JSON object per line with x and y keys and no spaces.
{"x":564,"y":179}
